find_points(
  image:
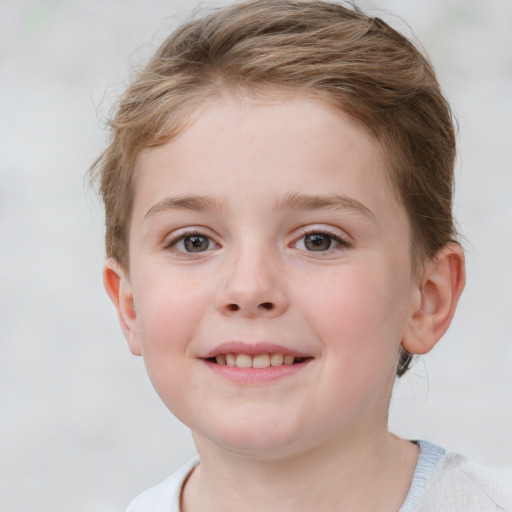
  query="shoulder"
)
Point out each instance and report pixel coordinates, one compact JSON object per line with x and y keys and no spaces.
{"x":164,"y":497}
{"x":458,"y":483}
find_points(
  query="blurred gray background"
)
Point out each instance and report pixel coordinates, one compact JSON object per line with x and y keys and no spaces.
{"x":80,"y":427}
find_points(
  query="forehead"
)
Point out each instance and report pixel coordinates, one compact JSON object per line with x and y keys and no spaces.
{"x":245,"y":147}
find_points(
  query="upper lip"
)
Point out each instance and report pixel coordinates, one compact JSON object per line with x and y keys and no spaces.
{"x":252,"y":349}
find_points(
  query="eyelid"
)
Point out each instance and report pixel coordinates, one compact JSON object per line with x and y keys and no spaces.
{"x":173,"y":238}
{"x":339,"y":236}
{"x":333,"y":231}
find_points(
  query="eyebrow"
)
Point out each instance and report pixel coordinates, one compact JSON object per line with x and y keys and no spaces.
{"x":323,"y":202}
{"x":193,"y":203}
{"x":289,"y":202}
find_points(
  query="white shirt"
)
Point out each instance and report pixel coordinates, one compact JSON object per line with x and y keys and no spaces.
{"x":442,"y":482}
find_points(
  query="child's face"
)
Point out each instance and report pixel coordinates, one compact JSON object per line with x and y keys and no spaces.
{"x":270,"y":228}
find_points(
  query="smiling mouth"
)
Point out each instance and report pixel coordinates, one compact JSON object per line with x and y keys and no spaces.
{"x":258,"y":361}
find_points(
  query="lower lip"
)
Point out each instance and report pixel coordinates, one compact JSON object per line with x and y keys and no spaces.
{"x":256,"y":375}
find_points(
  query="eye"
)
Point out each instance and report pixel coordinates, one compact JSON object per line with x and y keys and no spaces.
{"x":318,"y":241}
{"x":191,"y":243}
{"x":194,"y":243}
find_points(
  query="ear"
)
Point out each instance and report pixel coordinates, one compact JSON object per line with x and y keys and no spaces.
{"x":435,"y":299}
{"x":118,"y":287}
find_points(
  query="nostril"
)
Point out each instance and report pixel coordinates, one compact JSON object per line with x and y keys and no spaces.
{"x":233,"y":307}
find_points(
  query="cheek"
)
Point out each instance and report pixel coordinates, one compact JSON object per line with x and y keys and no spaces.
{"x":360,"y":310}
{"x":168,"y":312}
{"x":168,"y":306}
{"x":360,"y":331}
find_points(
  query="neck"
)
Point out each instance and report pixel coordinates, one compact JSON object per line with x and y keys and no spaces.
{"x":359,"y":473}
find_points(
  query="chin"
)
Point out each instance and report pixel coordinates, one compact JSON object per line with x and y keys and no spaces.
{"x":255,"y":439}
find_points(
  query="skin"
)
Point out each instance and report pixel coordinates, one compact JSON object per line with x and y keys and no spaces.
{"x":317,"y":439}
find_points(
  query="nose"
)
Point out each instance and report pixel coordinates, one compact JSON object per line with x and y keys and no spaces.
{"x":253,"y":287}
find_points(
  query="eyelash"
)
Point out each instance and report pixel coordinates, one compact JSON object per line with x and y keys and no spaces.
{"x":181,"y":237}
{"x":343,"y":243}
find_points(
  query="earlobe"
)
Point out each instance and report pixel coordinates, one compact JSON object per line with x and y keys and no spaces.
{"x":119,"y":290}
{"x":435,"y":299}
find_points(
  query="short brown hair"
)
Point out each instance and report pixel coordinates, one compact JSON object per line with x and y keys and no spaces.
{"x":356,"y":63}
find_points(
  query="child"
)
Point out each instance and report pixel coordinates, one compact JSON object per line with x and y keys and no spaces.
{"x":280,"y":244}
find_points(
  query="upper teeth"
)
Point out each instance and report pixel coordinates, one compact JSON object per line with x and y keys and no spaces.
{"x":258,"y":361}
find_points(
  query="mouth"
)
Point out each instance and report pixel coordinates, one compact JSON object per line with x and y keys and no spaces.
{"x":255,"y":363}
{"x":258,"y":361}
